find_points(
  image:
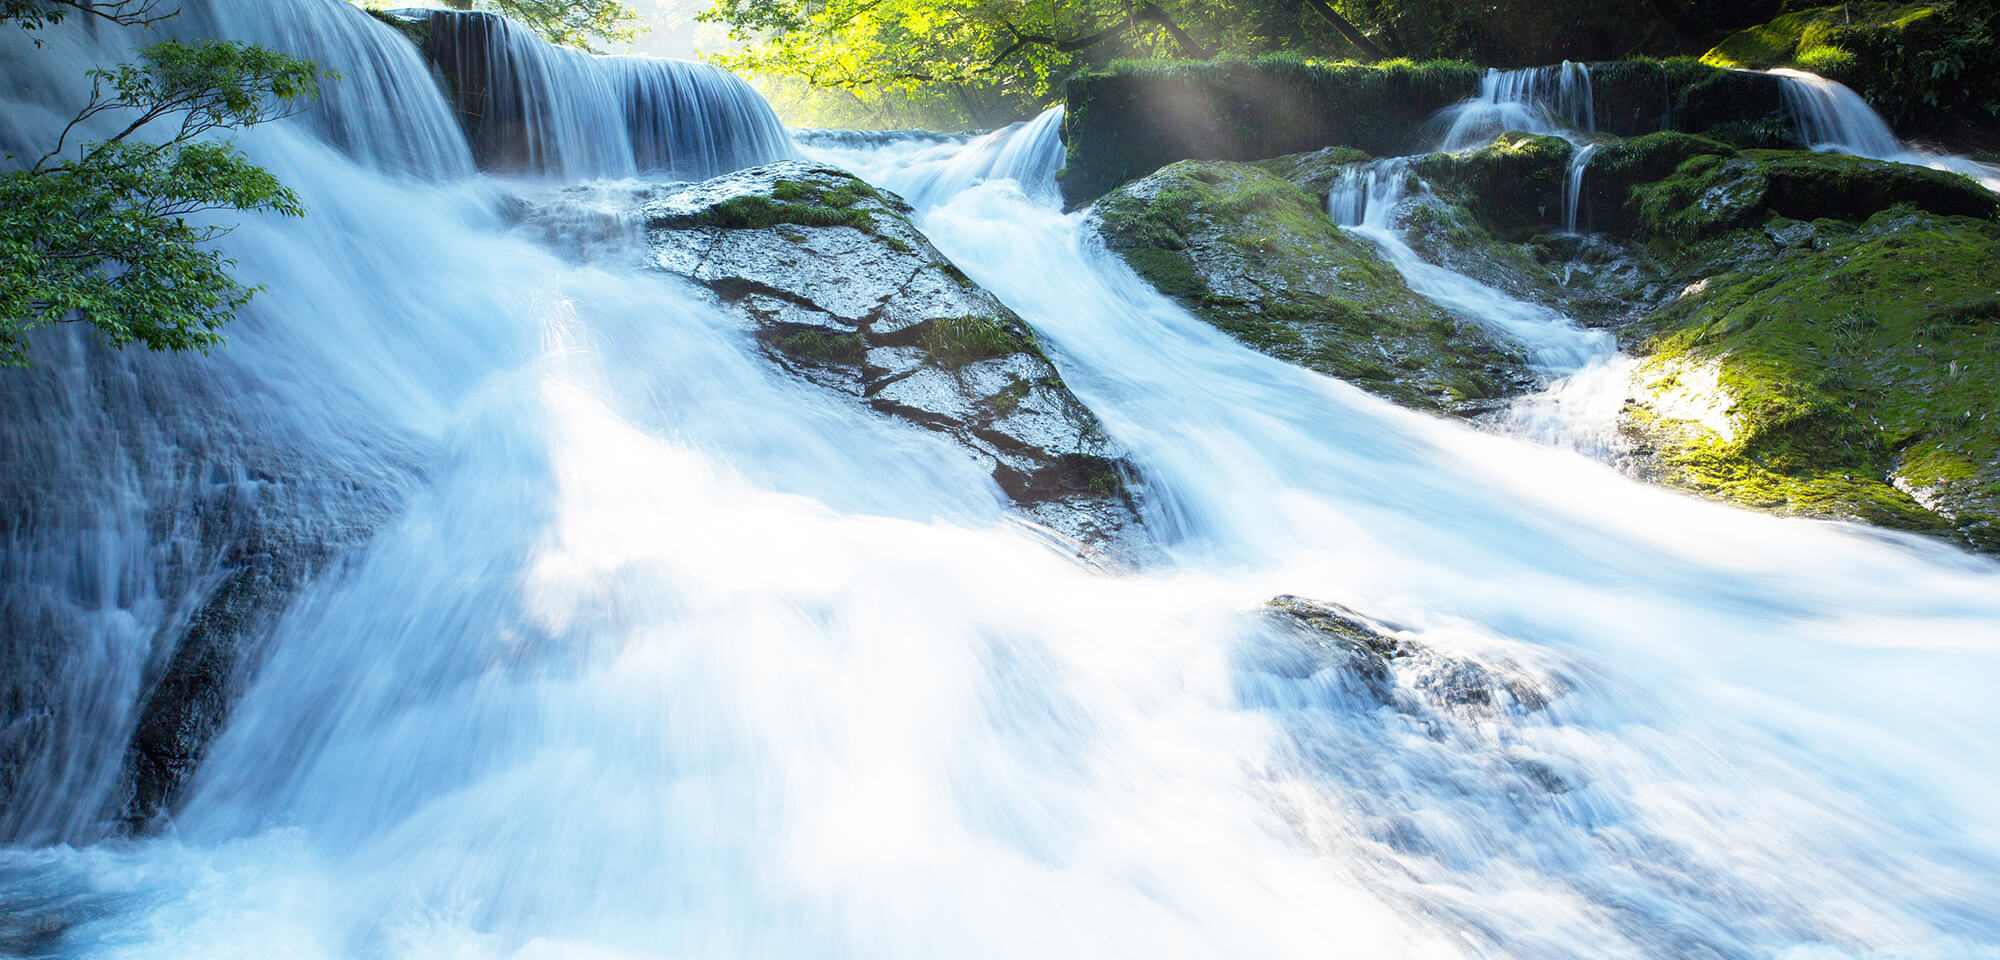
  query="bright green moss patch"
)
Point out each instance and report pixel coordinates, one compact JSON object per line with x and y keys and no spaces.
{"x":1257,"y":256}
{"x":822,"y":346}
{"x":1927,"y":67}
{"x":1514,"y":183}
{"x":1860,"y":377}
{"x":953,"y":342}
{"x":802,"y":203}
{"x":1712,"y":193}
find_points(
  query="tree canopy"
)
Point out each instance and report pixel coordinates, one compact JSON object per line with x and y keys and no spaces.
{"x":100,"y":231}
{"x":977,"y":63}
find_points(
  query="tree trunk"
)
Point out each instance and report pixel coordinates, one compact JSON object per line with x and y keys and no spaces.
{"x":1346,"y":30}
{"x":1151,"y":13}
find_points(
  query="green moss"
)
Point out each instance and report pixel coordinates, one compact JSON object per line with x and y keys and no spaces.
{"x":1009,"y":398}
{"x":1315,"y":171}
{"x":801,"y":203}
{"x":1926,"y":66}
{"x":1709,"y":194}
{"x":822,"y":346}
{"x":1257,"y":257}
{"x":1514,"y":183}
{"x":416,"y":31}
{"x":1852,"y":373}
{"x":953,"y":342}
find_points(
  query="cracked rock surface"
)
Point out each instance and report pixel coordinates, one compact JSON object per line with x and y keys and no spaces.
{"x":844,"y":291}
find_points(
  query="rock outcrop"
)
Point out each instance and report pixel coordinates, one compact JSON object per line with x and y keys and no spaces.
{"x":1393,"y":666}
{"x":1258,"y":257}
{"x":1129,"y":122}
{"x":843,"y":290}
{"x":1137,"y":118}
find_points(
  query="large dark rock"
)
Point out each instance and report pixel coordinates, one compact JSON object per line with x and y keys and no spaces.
{"x":845,"y":291}
{"x":1128,"y":123}
{"x":1635,"y":97}
{"x":1393,"y":666}
{"x":159,"y":524}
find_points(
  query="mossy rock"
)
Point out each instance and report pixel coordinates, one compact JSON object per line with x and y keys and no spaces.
{"x":414,"y":25}
{"x":1315,"y":171}
{"x":1514,"y":183}
{"x":1709,"y":194}
{"x":1257,"y":256}
{"x":1138,"y":116}
{"x":1857,"y":375}
{"x":1927,"y":67}
{"x":1619,"y":166}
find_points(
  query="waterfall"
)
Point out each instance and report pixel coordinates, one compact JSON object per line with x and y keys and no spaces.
{"x":1830,"y":116}
{"x":1365,"y":199}
{"x":1573,"y":184}
{"x":571,"y":626}
{"x":927,"y":172}
{"x":1543,"y":100}
{"x":535,"y":108}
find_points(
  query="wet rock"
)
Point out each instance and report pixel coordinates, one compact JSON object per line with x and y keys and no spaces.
{"x":843,"y":290}
{"x":1258,"y":257}
{"x":1406,"y":673}
{"x":161,"y":531}
{"x":1515,"y":181}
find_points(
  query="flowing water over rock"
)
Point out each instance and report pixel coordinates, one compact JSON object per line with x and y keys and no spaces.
{"x":1830,"y":116}
{"x":618,"y":640}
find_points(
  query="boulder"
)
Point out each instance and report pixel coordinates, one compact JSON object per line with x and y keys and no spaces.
{"x":843,"y":290}
{"x":1258,"y":257}
{"x":1137,"y":118}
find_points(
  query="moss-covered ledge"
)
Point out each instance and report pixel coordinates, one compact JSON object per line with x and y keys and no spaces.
{"x":1137,"y":117}
{"x":1928,"y":67}
{"x":1256,"y":256}
{"x":1853,"y":374}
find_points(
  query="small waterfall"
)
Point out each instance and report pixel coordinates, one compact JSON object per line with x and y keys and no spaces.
{"x":1831,"y":117}
{"x":1553,"y":100}
{"x":530,"y":107}
{"x":1573,"y":185}
{"x":1364,"y":199}
{"x":927,"y":172}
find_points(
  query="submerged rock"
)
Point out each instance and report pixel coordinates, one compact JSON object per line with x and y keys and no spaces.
{"x":1397,"y":669}
{"x":1258,"y":257}
{"x":843,"y":290}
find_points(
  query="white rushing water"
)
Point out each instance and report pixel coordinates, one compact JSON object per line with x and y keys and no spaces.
{"x":656,"y":652}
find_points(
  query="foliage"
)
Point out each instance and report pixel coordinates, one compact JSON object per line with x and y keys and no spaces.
{"x":980,"y":63}
{"x":39,"y":14}
{"x":570,"y":23}
{"x":1928,"y":67}
{"x":103,"y":234}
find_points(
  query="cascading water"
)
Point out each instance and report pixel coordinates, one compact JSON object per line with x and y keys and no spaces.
{"x":1832,"y":117}
{"x":555,"y":111}
{"x":1579,"y":163}
{"x":643,"y":648}
{"x":1365,"y":199}
{"x":1544,"y":100}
